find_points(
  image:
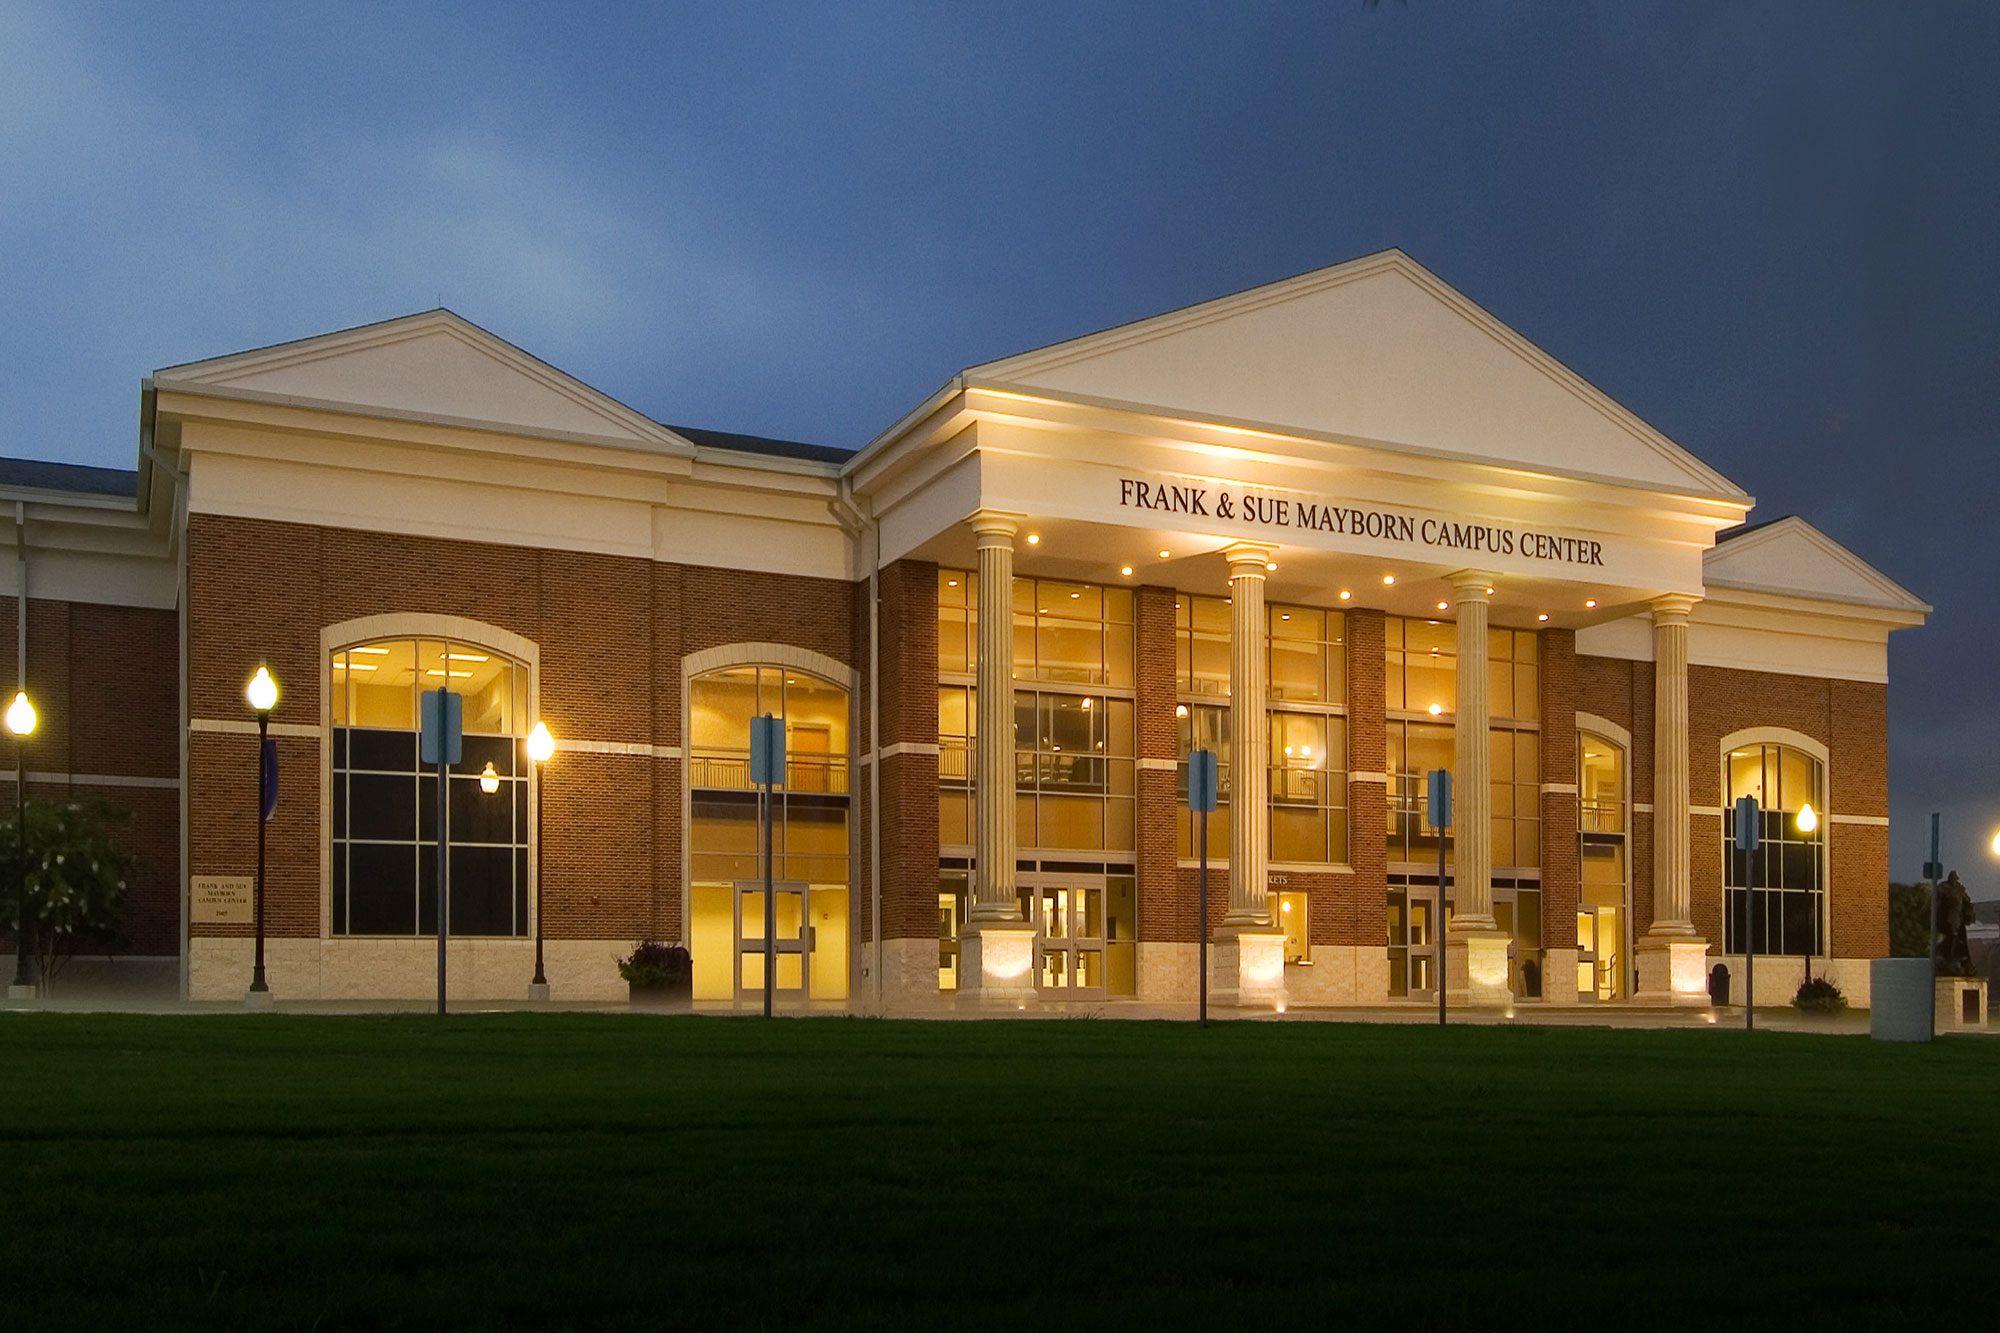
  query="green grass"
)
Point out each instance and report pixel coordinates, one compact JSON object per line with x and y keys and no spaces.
{"x":604,"y":1171}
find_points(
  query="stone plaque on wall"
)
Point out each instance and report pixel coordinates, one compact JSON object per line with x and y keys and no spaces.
{"x":217,"y":899}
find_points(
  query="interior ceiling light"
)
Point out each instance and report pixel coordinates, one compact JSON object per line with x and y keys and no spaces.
{"x":376,"y":648}
{"x":1590,"y":602}
{"x":1436,"y":710}
{"x":1345,"y":594}
{"x":1034,"y":539}
{"x":1271,"y":566}
{"x":1388,"y":579}
{"x":1444,"y":606}
{"x":1165,"y":554}
{"x":1126,"y":570}
{"x":1543,"y":616}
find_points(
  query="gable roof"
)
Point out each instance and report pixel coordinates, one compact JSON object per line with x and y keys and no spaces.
{"x":1378,"y":350}
{"x":763,"y":444}
{"x":433,"y":366}
{"x":36,"y":474}
{"x":1790,"y":557}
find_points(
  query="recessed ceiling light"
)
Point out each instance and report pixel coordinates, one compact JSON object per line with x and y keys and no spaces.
{"x":1271,"y":565}
{"x":1489,"y":592}
{"x":376,"y":649}
{"x":1165,"y":554}
{"x":1345,"y":594}
{"x":1436,"y":710}
{"x":1590,"y":602}
{"x":1444,"y":606}
{"x":1034,"y":539}
{"x":1388,"y":579}
{"x":1543,"y":616}
{"x":1284,"y":615}
{"x":1126,"y":570}
{"x":1073,"y":596}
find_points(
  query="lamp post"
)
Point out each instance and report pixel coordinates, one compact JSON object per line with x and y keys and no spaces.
{"x":21,"y":721}
{"x":1807,"y":821}
{"x":262,"y":694}
{"x":540,"y":746}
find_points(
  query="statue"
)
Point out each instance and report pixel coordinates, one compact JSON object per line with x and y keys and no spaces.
{"x":1954,"y":914}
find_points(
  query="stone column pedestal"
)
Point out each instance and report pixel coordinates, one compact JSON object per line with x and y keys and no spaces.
{"x":996,"y":965}
{"x":1475,"y":964}
{"x":1248,"y":967}
{"x":1672,"y":970}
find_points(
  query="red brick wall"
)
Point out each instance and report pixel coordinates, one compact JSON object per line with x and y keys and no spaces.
{"x":1166,"y":897}
{"x":107,"y":692}
{"x":1362,"y":919}
{"x":612,"y":633}
{"x":1561,"y":868}
{"x":1849,"y":717}
{"x":909,"y":670}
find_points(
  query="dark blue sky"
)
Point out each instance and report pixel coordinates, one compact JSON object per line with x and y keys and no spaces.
{"x":1768,"y":229}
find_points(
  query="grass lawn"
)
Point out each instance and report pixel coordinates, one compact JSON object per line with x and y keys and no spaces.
{"x":604,"y":1171}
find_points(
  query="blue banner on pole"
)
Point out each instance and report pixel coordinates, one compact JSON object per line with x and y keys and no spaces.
{"x":1440,"y":798}
{"x":1202,"y":793}
{"x":1749,"y":823}
{"x":445,"y":729}
{"x":767,"y":751}
{"x":269,"y":785}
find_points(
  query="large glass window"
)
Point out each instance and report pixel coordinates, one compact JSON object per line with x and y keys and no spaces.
{"x":1306,"y":657}
{"x":1074,"y":733}
{"x":1782,"y":883}
{"x":1601,"y":783}
{"x":810,"y":820}
{"x":384,"y":802}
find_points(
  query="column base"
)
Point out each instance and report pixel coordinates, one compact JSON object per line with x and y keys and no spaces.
{"x":1673,"y":970}
{"x":1247,"y":964}
{"x":1476,"y":969}
{"x":538,"y":992}
{"x":17,"y":991}
{"x":996,"y":966}
{"x":1559,"y":984}
{"x":257,"y":999}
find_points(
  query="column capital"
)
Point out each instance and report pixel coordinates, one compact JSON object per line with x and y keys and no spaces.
{"x":1673,"y":608}
{"x":1472,"y":585}
{"x":994,"y":527}
{"x":1248,"y":559}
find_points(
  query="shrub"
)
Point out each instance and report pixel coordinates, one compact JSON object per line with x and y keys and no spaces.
{"x":76,"y":877}
{"x":1909,"y":921}
{"x":658,"y":966}
{"x":1819,"y":996}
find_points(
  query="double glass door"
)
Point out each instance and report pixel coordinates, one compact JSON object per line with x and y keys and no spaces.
{"x":1068,"y":913}
{"x":791,"y":940}
{"x":1415,"y":923}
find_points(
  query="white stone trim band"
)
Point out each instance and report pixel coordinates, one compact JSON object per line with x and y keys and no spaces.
{"x":97,"y":780}
{"x":1381,"y":778}
{"x":1159,"y":765}
{"x":1558,"y":789}
{"x":230,"y":726}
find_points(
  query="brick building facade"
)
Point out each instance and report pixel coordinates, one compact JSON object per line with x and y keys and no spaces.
{"x":421,"y":501}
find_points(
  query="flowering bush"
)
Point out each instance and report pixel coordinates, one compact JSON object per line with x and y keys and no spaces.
{"x":75,"y":877}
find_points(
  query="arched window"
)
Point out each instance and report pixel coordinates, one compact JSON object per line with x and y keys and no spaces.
{"x":1783,"y":883}
{"x":810,"y":833}
{"x":1602,"y":778}
{"x":384,"y":802}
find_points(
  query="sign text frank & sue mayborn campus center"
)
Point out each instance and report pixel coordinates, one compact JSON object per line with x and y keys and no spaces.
{"x":1343,"y":529}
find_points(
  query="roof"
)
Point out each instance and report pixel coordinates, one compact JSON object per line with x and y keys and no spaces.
{"x":77,"y":478}
{"x":760,"y":444}
{"x":1790,"y":557}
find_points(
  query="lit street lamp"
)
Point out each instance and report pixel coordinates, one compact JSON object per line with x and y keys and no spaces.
{"x":262,"y":694}
{"x":21,"y":721}
{"x":540,"y":746}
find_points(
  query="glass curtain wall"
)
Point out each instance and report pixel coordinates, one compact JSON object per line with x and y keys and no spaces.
{"x":1783,"y":883}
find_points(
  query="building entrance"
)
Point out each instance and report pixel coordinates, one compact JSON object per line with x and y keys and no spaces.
{"x":1414,"y":924}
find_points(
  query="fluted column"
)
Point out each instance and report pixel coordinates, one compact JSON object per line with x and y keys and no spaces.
{"x":1249,"y":740}
{"x":993,"y":897}
{"x":1472,"y":790}
{"x":1673,"y":893}
{"x":1672,"y":958}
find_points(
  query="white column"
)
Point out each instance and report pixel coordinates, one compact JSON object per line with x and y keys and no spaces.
{"x":1672,"y":958}
{"x":1471,"y":786}
{"x":1476,"y":952}
{"x":1249,"y":741}
{"x":1249,"y":955}
{"x":997,"y":949}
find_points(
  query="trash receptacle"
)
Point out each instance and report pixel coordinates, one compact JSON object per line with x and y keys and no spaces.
{"x":1718,"y":985}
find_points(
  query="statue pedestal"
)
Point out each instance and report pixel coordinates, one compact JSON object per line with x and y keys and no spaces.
{"x":1961,"y":1002}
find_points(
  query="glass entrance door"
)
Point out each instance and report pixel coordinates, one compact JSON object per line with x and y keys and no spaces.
{"x":1070,"y":938}
{"x":1413,"y":942}
{"x":792,"y":941}
{"x":1600,"y":959}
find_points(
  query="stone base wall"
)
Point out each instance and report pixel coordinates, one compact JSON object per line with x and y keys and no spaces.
{"x":376,"y":969}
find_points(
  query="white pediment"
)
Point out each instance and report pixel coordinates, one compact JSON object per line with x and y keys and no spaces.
{"x":1377,"y":350}
{"x":434,"y":366}
{"x":1791,"y":557}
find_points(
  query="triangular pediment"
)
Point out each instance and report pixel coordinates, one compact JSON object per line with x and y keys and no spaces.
{"x":1377,"y":350}
{"x":1791,"y":557}
{"x":433,"y":366}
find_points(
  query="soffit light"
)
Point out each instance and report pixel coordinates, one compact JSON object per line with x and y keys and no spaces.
{"x":1590,"y":602}
{"x":1345,"y":594}
{"x":1126,"y":570}
{"x":1034,"y":539}
{"x":1166,"y":555}
{"x":1388,"y":580}
{"x":1444,"y":606}
{"x":1543,"y":616}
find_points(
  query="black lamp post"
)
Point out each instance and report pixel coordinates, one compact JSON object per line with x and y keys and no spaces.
{"x":21,"y":721}
{"x":540,"y":746}
{"x":262,"y":694}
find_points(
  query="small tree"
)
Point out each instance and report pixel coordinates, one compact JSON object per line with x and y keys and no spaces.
{"x":76,"y":877}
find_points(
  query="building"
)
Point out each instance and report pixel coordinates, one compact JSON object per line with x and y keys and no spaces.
{"x":1345,"y":528}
